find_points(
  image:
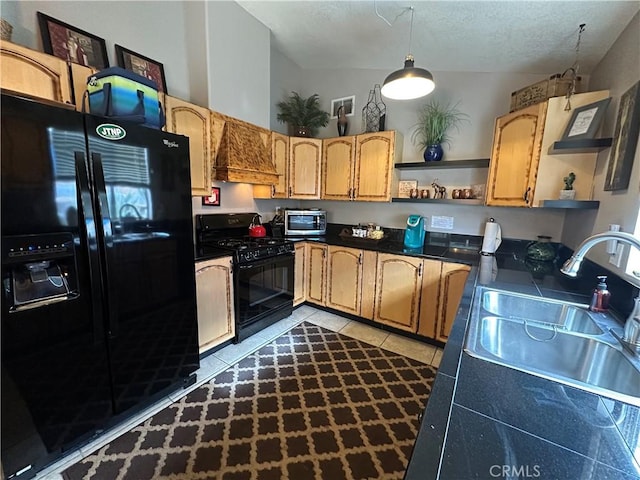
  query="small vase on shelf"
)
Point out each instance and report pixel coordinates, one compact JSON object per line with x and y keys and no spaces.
{"x":433,"y":153}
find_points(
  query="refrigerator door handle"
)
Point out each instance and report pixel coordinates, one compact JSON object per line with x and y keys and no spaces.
{"x":93,"y":259}
{"x":105,"y":232}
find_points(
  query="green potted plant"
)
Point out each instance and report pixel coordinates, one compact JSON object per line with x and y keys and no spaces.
{"x":435,"y":120}
{"x":303,"y":115}
{"x":568,"y":193}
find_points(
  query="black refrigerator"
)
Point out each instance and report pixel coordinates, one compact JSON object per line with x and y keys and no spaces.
{"x":98,"y":303}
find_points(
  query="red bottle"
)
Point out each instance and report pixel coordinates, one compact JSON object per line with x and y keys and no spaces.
{"x":601,"y":296}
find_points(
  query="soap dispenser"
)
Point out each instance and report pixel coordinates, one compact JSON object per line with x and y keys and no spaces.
{"x":600,"y":297}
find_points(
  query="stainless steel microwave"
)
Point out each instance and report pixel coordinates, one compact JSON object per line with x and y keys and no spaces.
{"x":306,"y":221}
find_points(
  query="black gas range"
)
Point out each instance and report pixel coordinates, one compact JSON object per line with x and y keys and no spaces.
{"x":263,"y":268}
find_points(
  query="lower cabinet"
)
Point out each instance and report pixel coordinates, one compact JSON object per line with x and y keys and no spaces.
{"x":316,"y":255}
{"x":214,"y":290}
{"x":452,"y":280}
{"x":299,"y":293}
{"x":408,"y":293}
{"x":344,"y":279}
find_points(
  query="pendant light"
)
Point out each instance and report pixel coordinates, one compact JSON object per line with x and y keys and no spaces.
{"x":409,"y":82}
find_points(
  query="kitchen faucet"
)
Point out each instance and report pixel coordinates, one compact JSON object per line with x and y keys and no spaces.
{"x":570,"y":268}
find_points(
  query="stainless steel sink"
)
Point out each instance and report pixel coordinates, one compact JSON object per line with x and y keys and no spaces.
{"x":563,"y":315}
{"x":534,"y":341}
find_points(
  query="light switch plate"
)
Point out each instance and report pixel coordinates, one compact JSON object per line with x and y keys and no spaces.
{"x":616,"y":258}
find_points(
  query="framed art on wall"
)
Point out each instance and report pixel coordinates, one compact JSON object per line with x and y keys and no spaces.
{"x":212,"y":200}
{"x":586,"y":120}
{"x":625,"y":140}
{"x":142,"y":65}
{"x":72,"y":44}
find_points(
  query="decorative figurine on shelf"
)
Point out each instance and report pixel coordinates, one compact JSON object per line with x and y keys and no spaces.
{"x":568,"y":193}
{"x":342,"y":122}
{"x":438,"y":190}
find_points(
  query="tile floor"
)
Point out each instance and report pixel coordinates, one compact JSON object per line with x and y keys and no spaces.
{"x":219,"y":361}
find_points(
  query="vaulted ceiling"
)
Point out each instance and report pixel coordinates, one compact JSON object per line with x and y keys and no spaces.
{"x":460,"y":36}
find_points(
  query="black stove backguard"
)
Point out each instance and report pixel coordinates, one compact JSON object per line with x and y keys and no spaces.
{"x":263,"y":269}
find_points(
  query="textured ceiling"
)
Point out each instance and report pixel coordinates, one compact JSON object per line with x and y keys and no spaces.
{"x":460,"y":36}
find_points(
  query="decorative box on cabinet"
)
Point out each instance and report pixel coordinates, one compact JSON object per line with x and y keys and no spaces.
{"x":194,"y":122}
{"x":214,"y":295}
{"x":34,"y":73}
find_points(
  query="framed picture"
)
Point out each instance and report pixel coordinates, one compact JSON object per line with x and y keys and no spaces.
{"x":586,"y":120}
{"x":72,"y":44}
{"x":213,"y":199}
{"x":625,"y":140}
{"x":347,"y":102}
{"x":405,"y":187}
{"x":142,"y":65}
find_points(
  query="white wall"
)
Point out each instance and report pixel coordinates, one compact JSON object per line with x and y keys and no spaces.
{"x":618,"y":71}
{"x":129,"y":24}
{"x":239,"y":63}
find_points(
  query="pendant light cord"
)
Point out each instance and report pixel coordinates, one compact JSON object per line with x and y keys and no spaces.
{"x":411,"y":31}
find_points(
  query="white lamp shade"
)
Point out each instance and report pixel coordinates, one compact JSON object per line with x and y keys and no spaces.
{"x":408,"y":83}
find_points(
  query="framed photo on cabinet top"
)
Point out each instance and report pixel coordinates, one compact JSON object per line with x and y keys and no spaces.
{"x":142,"y":65}
{"x":585,"y":121}
{"x":72,"y":44}
{"x":625,"y":140}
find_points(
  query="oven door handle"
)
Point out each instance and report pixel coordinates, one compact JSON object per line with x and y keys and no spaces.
{"x":266,"y":261}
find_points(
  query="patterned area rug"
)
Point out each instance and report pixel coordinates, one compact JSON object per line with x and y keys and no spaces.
{"x":313,"y":404}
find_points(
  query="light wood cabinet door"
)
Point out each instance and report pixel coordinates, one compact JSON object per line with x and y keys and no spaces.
{"x":299,"y":275}
{"x":369,"y":269}
{"x":304,"y":167}
{"x":214,"y":294}
{"x":344,"y":279}
{"x":513,"y":169}
{"x":375,"y":154}
{"x":316,"y":272}
{"x":429,"y":298}
{"x":280,"y":156}
{"x":79,"y":76}
{"x":338,"y":165}
{"x":398,"y":283}
{"x":194,"y":122}
{"x":34,"y":73}
{"x":452,"y":280}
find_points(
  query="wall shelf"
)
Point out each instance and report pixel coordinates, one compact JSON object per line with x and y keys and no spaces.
{"x":589,"y":145}
{"x":475,"y":163}
{"x":449,"y":201}
{"x":578,"y":204}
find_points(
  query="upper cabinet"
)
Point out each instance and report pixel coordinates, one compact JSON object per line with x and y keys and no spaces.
{"x":304,"y":167}
{"x":338,"y":168}
{"x":194,"y":122}
{"x":34,"y":73}
{"x":522,"y":172}
{"x":280,"y":158}
{"x":360,"y":167}
{"x":517,"y":141}
{"x":79,"y":78}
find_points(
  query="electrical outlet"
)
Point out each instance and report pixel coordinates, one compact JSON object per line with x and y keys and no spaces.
{"x":616,"y":258}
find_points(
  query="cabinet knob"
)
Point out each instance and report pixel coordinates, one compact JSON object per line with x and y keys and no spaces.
{"x":526,"y":195}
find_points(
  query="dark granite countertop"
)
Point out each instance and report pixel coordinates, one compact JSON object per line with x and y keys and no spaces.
{"x":486,"y":421}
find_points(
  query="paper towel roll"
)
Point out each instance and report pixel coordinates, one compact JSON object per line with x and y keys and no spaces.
{"x":492,"y":237}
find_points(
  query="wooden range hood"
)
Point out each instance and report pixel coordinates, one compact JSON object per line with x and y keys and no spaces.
{"x":243,"y":152}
